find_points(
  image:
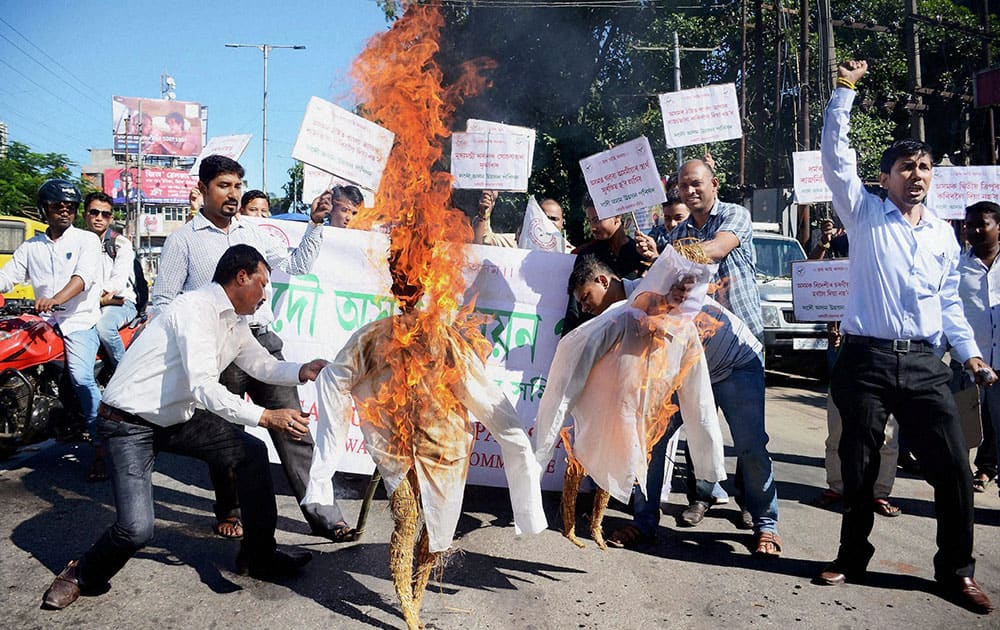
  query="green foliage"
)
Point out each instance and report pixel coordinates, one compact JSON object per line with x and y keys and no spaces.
{"x":23,"y":171}
{"x":292,"y":201}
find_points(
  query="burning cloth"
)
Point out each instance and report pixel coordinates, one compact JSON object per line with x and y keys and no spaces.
{"x":616,"y":374}
{"x":435,"y":444}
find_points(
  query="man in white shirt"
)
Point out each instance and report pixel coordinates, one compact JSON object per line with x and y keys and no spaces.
{"x":187,"y":262}
{"x":903,"y":304}
{"x":163,"y":397}
{"x":62,"y":266}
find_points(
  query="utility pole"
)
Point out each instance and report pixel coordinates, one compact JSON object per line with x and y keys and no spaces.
{"x":743,"y":93}
{"x":804,"y":218}
{"x":677,"y":88}
{"x":912,"y":37}
{"x":827,"y":50}
{"x":266,"y":49}
{"x":984,"y":17}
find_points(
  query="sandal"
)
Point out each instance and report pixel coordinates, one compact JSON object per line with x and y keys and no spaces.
{"x":229,"y":528}
{"x":883,"y":507}
{"x":98,"y":472}
{"x":628,"y":537}
{"x":827,"y":498}
{"x":980,"y":481}
{"x":768,"y":545}
{"x":340,"y":533}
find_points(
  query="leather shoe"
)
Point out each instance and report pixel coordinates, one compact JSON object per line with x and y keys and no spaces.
{"x":835,"y":574}
{"x":745,"y":521}
{"x":694,"y":514}
{"x":965,"y":592}
{"x":279,"y":565}
{"x":65,"y":589}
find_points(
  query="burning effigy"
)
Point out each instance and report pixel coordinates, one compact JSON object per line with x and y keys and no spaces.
{"x":617,"y":375}
{"x":418,"y":378}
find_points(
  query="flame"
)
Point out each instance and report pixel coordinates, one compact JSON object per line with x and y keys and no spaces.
{"x":401,"y":88}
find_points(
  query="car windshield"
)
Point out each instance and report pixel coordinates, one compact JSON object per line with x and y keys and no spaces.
{"x":774,"y":256}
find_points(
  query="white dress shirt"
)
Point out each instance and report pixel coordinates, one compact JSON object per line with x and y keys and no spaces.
{"x":979,"y":288}
{"x":439,"y":445}
{"x":116,"y":275}
{"x":49,"y":265}
{"x":173,"y":365}
{"x":191,"y":253}
{"x":904,"y":278}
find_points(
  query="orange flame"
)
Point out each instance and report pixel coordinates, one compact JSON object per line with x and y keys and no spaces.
{"x":401,"y":87}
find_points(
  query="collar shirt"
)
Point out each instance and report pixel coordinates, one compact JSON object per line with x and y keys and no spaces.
{"x":617,"y":380}
{"x":737,"y":274}
{"x":117,"y":274}
{"x":191,"y":253}
{"x":438,"y":447}
{"x":49,"y":265}
{"x":979,"y":288}
{"x":173,"y":365}
{"x":904,"y":278}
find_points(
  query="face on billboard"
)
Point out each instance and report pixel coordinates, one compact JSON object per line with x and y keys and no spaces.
{"x":168,"y":128}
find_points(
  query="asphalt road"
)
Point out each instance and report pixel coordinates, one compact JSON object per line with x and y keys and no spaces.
{"x":703,"y":577}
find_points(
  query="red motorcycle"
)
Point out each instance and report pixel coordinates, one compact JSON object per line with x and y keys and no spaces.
{"x":36,"y":397}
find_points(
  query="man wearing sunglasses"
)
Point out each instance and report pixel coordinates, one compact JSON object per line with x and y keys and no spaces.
{"x":62,"y":266}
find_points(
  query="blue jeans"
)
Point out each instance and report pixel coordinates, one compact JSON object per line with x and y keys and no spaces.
{"x":132,"y":449}
{"x":113,"y":318}
{"x":81,"y":354}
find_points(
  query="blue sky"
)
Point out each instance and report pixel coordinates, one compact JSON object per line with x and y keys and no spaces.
{"x":61,"y":62}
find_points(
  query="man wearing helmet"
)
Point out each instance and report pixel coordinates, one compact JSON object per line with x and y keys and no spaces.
{"x":61,"y":264}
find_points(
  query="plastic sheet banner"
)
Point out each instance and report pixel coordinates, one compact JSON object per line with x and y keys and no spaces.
{"x":159,"y":185}
{"x":701,"y":115}
{"x":524,"y":293}
{"x":954,"y":188}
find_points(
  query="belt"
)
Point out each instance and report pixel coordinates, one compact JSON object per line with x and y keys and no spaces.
{"x":117,"y":415}
{"x":901,"y":346}
{"x":259,"y":329}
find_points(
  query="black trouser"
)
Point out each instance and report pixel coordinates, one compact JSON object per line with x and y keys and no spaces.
{"x":131,"y":446}
{"x":867,"y":385}
{"x":295,"y":455}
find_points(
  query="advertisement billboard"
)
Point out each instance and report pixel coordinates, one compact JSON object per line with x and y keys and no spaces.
{"x":159,"y":185}
{"x":167,"y":128}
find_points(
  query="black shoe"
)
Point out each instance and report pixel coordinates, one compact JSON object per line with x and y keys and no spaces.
{"x":694,"y":514}
{"x":836,"y":573}
{"x":280,"y":564}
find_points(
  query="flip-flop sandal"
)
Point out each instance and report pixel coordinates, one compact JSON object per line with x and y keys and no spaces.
{"x":229,"y":528}
{"x":980,"y":481}
{"x":339,"y":533}
{"x":628,"y":537}
{"x":883,"y":507}
{"x":768,"y":545}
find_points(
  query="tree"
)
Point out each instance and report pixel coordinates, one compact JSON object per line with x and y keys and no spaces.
{"x":23,"y":171}
{"x":292,"y":202}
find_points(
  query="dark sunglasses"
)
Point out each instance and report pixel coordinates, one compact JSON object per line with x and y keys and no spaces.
{"x":107,"y":214}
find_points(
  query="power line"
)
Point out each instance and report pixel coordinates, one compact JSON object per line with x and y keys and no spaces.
{"x":40,"y":86}
{"x":47,"y":55}
{"x":52,"y":72}
{"x":6,"y":109}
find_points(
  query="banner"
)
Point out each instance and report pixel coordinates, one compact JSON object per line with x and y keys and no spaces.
{"x":485,"y":126}
{"x":151,"y":225}
{"x":167,"y":128}
{"x":623,"y":179}
{"x":524,"y":292}
{"x":701,"y":115}
{"x":490,"y":161}
{"x":538,"y":232}
{"x":336,"y":141}
{"x":159,"y":185}
{"x":315,"y":182}
{"x":819,"y":289}
{"x":230,"y":146}
{"x":954,"y":188}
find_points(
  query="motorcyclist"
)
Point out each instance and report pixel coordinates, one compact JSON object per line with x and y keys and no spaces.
{"x":62,"y":265}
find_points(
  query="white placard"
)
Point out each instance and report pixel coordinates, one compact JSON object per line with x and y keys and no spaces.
{"x":807,"y":169}
{"x":230,"y":146}
{"x":954,"y":188}
{"x":315,"y":182}
{"x":623,"y":179}
{"x":490,"y":161}
{"x":538,"y":232}
{"x":701,"y":115}
{"x":485,"y":126}
{"x":820,"y":289}
{"x":336,"y":141}
{"x":524,"y":291}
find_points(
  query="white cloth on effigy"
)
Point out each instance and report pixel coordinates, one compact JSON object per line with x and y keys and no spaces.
{"x":616,"y":379}
{"x":440,"y":443}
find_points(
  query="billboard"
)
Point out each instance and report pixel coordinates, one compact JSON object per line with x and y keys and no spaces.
{"x":168,"y":128}
{"x":159,"y":185}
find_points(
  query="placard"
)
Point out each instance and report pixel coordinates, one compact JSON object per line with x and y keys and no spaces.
{"x":336,"y":141}
{"x":231,"y":147}
{"x":485,"y":126}
{"x":807,"y":170}
{"x":954,"y":188}
{"x":820,"y":289}
{"x":623,"y":179}
{"x":490,"y":161}
{"x":700,"y":115}
{"x":315,"y":182}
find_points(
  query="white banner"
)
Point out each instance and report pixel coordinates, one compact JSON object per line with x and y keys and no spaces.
{"x":490,"y":161}
{"x":315,"y":182}
{"x":524,"y":291}
{"x":623,"y":179}
{"x":336,"y":141}
{"x":538,"y":232}
{"x":954,"y":188}
{"x":230,"y":146}
{"x":701,"y":115}
{"x":819,"y":289}
{"x":807,"y":169}
{"x":485,"y":126}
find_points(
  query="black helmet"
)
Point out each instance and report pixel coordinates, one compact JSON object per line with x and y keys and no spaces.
{"x":57,"y":190}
